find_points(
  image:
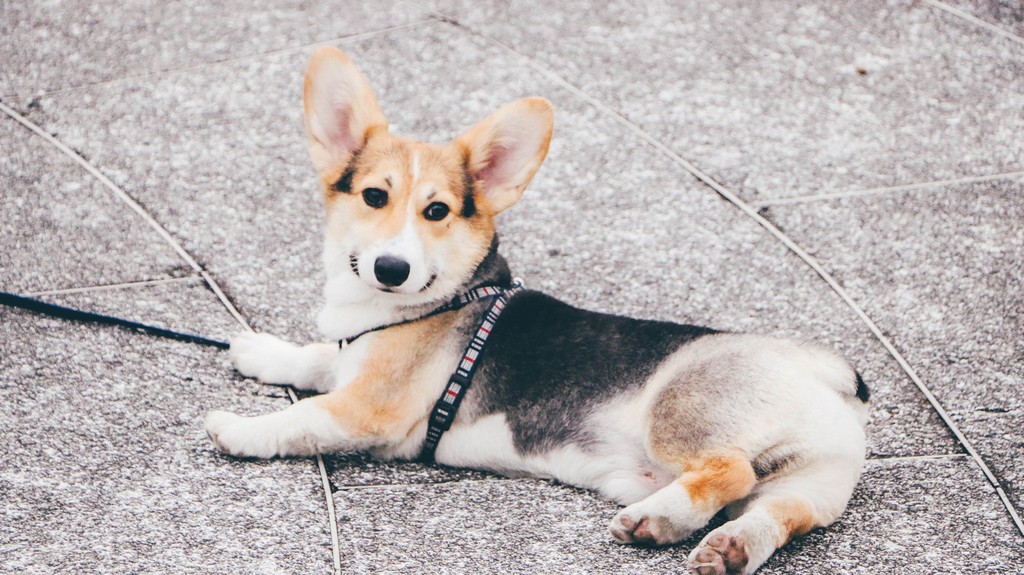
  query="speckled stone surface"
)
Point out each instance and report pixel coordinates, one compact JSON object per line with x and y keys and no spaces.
{"x":106,"y":467}
{"x":61,"y":44}
{"x":647,"y":239}
{"x":779,"y":99}
{"x":196,"y":112}
{"x":61,"y":228}
{"x":361,"y":470}
{"x":935,"y":512}
{"x":940,"y":271}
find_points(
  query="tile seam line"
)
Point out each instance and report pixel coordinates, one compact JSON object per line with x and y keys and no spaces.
{"x":975,"y":20}
{"x":110,"y":185}
{"x":210,"y":282}
{"x":114,"y":286}
{"x":232,"y":60}
{"x":882,"y":190}
{"x":751,"y":212}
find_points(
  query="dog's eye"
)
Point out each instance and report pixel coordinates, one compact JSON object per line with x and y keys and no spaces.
{"x":375,"y":197}
{"x":436,"y":211}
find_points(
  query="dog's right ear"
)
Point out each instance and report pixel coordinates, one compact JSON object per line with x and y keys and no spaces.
{"x":340,"y":109}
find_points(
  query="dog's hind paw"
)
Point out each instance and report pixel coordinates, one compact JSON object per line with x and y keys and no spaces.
{"x":637,"y":528}
{"x":719,"y":554}
{"x":263,"y":356}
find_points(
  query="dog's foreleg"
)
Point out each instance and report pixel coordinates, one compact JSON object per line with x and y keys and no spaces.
{"x":301,"y":429}
{"x":363,"y":414}
{"x":273,"y":360}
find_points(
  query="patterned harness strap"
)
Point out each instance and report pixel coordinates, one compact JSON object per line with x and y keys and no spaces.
{"x":457,"y":302}
{"x":447,"y":405}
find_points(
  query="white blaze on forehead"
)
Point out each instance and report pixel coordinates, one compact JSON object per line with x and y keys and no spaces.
{"x":415,"y":166}
{"x":408,"y":246}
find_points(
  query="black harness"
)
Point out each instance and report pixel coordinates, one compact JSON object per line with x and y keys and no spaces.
{"x":446,"y":407}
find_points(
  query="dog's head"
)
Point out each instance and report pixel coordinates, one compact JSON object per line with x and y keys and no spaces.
{"x":412,"y":221}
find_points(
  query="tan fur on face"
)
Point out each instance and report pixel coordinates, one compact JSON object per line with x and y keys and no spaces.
{"x":414,"y":175}
{"x":714,"y":480}
{"x":488,"y":167}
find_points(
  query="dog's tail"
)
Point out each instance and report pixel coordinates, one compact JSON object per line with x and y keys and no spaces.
{"x":862,"y":393}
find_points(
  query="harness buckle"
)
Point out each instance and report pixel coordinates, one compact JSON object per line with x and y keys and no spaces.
{"x":443,"y":415}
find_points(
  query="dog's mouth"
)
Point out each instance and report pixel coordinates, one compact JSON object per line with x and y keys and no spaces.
{"x":353,"y":262}
{"x":430,"y":282}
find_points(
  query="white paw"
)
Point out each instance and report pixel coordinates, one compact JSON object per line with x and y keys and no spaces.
{"x":645,"y":529}
{"x":263,"y":356}
{"x":663,"y":518}
{"x":236,"y":435}
{"x":719,"y":554}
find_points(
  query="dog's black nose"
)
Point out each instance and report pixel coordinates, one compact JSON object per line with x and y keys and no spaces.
{"x":391,"y":271}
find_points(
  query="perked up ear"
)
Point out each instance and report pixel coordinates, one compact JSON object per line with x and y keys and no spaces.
{"x":340,"y":109}
{"x":505,"y":150}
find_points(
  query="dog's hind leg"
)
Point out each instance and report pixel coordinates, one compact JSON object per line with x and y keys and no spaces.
{"x":274,"y":360}
{"x":778,"y":510}
{"x":709,"y":482}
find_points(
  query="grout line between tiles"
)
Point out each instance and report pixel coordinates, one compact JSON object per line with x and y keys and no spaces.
{"x":975,"y":20}
{"x":937,"y":457}
{"x":117,"y":191}
{"x":751,"y":212}
{"x":341,"y":488}
{"x":886,"y":189}
{"x":117,"y":286}
{"x":210,"y":282}
{"x":236,"y":59}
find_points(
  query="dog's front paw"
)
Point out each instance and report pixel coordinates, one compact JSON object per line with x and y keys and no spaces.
{"x":263,"y":356}
{"x":233,"y":434}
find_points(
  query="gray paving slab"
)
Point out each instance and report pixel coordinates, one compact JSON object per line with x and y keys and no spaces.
{"x":940,"y":271}
{"x":361,"y":470}
{"x":778,"y":99}
{"x":51,"y":46}
{"x":106,"y":468}
{"x":920,"y":516}
{"x":109,"y":470}
{"x":218,"y":156}
{"x":1007,"y":15}
{"x":186,"y":305}
{"x":646,"y":239}
{"x":62,"y":229}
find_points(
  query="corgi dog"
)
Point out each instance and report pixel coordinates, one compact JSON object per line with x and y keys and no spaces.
{"x":675,"y":422}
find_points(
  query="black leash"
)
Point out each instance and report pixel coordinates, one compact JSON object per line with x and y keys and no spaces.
{"x":59,"y":311}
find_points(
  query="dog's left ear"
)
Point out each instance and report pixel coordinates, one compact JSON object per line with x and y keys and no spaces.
{"x":341,"y":111}
{"x":504,"y":151}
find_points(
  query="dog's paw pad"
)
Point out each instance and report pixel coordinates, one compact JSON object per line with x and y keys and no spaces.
{"x":643,"y":530}
{"x":719,"y":554}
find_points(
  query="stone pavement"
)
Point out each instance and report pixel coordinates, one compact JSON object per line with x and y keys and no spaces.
{"x":848,"y":172}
